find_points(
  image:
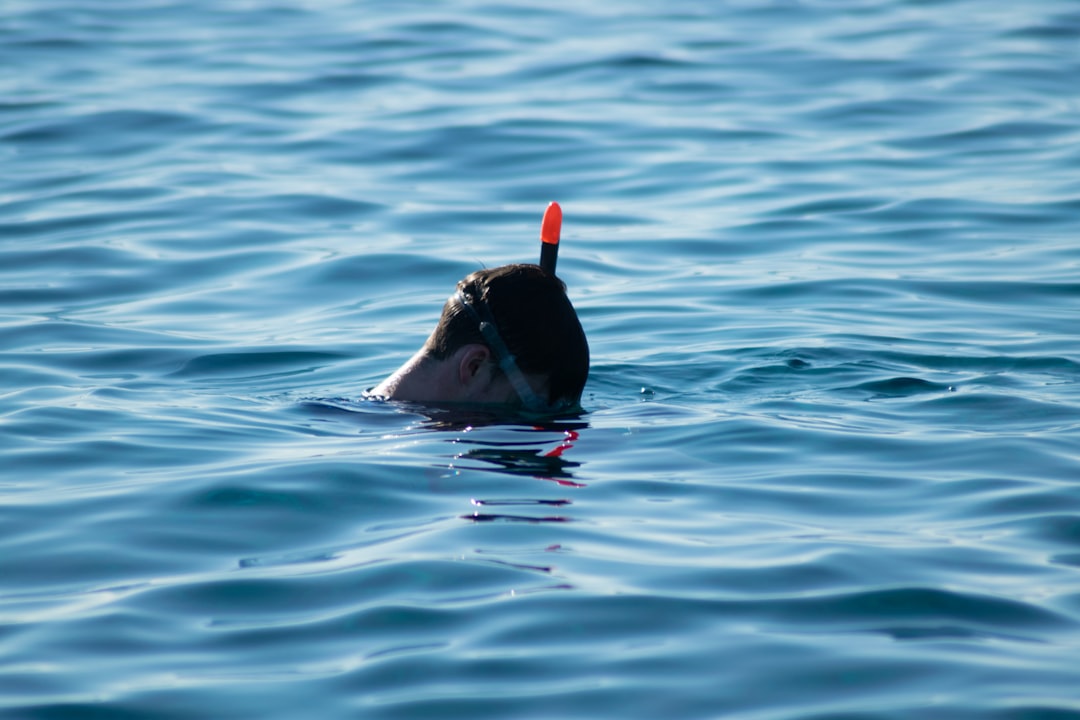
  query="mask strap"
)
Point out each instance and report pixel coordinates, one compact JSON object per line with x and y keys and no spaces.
{"x":480,"y":313}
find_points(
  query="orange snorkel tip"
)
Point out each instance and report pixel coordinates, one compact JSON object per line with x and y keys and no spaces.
{"x":550,"y":229}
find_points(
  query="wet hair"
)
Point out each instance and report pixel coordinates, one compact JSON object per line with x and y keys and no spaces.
{"x":535,"y":319}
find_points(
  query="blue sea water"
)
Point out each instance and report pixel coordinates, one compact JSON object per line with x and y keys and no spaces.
{"x":828,"y":258}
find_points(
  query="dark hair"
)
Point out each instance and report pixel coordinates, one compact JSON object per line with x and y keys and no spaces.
{"x":535,"y":319}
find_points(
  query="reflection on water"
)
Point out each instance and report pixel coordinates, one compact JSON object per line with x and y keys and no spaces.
{"x":543,"y":462}
{"x":537,"y":459}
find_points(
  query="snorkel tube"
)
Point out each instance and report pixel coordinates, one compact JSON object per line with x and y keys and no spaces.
{"x":550,"y":229}
{"x":481,"y":314}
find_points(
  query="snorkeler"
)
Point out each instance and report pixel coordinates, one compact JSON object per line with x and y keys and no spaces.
{"x":508,"y":337}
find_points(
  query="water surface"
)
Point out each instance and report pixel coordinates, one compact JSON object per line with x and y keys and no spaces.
{"x":826,"y":255}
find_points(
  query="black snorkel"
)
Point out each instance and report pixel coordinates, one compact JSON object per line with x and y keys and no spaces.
{"x":478,"y":310}
{"x":550,"y":229}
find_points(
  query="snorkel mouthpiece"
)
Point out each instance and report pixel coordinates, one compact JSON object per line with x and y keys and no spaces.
{"x":550,"y":229}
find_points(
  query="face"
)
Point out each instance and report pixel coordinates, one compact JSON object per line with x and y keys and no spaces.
{"x":493,"y":387}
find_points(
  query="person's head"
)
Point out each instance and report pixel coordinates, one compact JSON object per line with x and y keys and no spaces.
{"x":534,"y":321}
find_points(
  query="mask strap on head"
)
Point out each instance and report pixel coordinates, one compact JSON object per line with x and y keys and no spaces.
{"x":480,"y":313}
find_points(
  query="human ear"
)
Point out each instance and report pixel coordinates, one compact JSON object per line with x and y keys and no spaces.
{"x":472,"y":360}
